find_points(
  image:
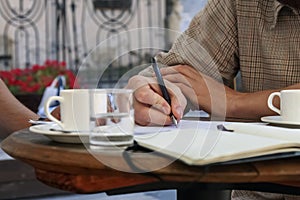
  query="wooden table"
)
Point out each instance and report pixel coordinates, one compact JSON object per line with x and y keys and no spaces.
{"x":71,"y":167}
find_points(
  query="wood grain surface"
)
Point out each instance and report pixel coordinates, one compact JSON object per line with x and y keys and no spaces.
{"x":73,"y":168}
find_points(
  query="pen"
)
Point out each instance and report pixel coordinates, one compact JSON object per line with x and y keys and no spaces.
{"x":163,"y":87}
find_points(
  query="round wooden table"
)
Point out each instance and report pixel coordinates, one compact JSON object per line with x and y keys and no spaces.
{"x":73,"y":168}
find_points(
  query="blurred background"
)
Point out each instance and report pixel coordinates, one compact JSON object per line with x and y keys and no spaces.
{"x":41,"y":39}
{"x":32,"y":31}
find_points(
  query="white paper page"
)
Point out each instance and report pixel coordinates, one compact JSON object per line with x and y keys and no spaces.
{"x":198,"y":142}
{"x":262,"y":129}
{"x":183,"y":124}
{"x":205,"y":146}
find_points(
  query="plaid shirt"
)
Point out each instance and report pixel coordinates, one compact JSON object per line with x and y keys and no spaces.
{"x":259,"y":38}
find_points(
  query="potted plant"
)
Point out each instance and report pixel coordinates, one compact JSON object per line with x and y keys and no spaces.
{"x":29,"y":84}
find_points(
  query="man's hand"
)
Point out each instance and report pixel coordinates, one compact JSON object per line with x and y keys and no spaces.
{"x":150,"y":107}
{"x":203,"y":91}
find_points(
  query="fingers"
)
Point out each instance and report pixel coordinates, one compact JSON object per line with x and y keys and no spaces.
{"x":56,"y":112}
{"x":178,"y":78}
{"x":185,"y":83}
{"x":138,"y":81}
{"x":191,"y":82}
{"x":147,"y":91}
{"x":183,"y":74}
{"x":145,"y":115}
{"x":151,"y":115}
{"x":150,"y":107}
{"x":148,"y":96}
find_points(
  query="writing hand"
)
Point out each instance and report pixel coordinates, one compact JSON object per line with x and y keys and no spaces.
{"x":150,"y":107}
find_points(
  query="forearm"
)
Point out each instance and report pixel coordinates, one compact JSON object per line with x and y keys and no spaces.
{"x":14,"y":115}
{"x":253,"y":105}
{"x":249,"y":105}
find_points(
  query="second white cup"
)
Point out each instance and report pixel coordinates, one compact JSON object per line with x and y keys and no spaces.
{"x":289,"y":104}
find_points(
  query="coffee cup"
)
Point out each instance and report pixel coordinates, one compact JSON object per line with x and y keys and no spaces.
{"x":74,"y":109}
{"x":289,"y":104}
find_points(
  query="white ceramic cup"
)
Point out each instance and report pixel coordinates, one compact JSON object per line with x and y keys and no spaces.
{"x":289,"y":104}
{"x":74,"y":109}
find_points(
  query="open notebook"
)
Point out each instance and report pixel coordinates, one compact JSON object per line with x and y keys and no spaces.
{"x":201,"y":143}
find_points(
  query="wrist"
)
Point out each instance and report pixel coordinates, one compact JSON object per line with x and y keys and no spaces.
{"x":236,"y":102}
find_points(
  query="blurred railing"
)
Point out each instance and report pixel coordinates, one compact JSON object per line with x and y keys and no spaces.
{"x":32,"y":31}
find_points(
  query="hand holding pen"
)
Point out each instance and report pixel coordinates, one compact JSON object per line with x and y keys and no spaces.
{"x":163,"y":88}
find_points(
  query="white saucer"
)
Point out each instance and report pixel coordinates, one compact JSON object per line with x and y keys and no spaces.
{"x":277,"y":120}
{"x":72,"y":137}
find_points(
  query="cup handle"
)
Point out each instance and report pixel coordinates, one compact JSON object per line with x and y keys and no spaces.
{"x":270,"y":102}
{"x":47,"y":106}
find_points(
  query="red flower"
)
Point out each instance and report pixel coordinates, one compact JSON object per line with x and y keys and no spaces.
{"x":36,"y":78}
